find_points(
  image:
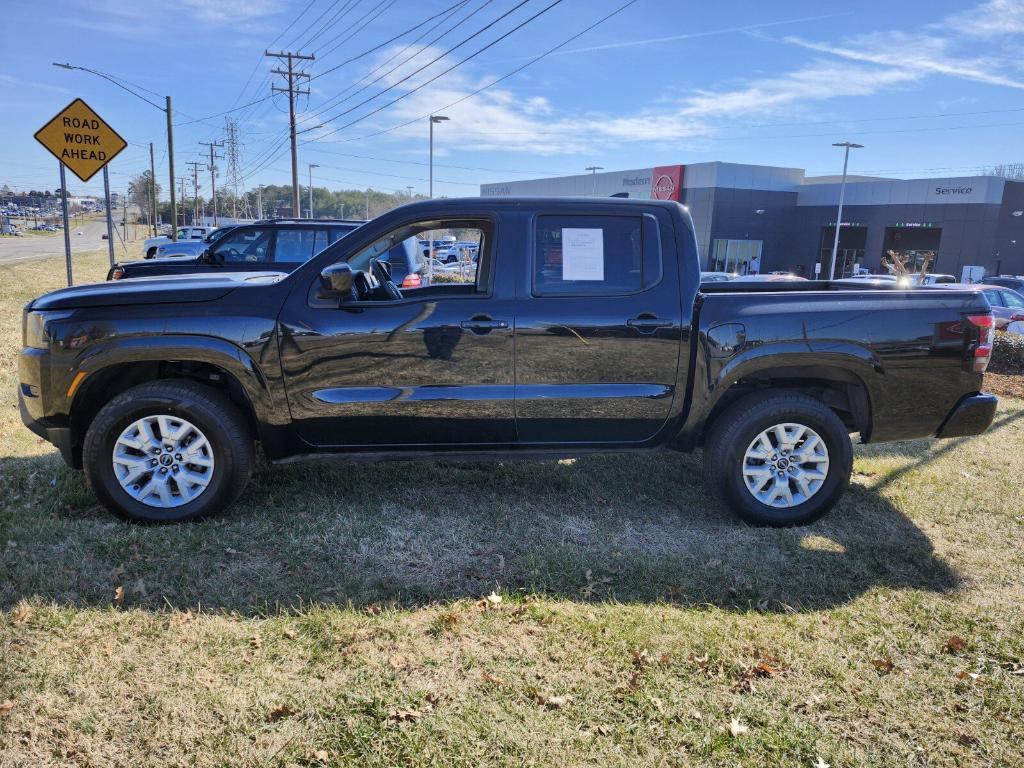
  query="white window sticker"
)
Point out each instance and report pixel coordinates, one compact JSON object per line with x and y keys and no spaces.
{"x":583,"y":254}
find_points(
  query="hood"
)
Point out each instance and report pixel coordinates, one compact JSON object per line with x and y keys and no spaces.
{"x":163,"y":289}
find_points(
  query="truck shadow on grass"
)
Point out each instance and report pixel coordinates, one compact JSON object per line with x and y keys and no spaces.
{"x":633,"y":528}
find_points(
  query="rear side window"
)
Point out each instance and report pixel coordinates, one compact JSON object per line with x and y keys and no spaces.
{"x":594,"y":256}
{"x":296,"y":246}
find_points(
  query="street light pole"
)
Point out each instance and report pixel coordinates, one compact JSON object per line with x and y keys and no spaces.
{"x":311,"y":167}
{"x":847,"y":145}
{"x":433,"y":119}
{"x":170,"y":132}
{"x":593,"y":172}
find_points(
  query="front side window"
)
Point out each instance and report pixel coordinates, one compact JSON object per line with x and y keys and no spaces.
{"x":244,"y":246}
{"x":296,"y":246}
{"x":593,"y":255}
{"x":453,"y":259}
{"x":994,"y":298}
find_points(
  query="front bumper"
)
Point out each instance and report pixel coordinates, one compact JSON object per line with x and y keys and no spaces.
{"x":59,"y":436}
{"x":971,"y":416}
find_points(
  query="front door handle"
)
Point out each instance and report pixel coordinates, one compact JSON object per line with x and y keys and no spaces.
{"x":648,"y":323}
{"x":483,"y":324}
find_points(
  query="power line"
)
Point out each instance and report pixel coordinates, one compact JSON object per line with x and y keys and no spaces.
{"x":348,"y":93}
{"x":433,"y":61}
{"x":494,"y":82}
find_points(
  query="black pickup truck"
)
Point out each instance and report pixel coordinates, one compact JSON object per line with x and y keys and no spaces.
{"x":583,"y":329}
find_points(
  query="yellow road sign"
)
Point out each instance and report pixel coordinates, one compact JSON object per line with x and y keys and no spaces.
{"x":80,"y":139}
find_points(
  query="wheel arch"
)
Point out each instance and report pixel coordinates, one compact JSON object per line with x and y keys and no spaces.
{"x":116,"y":367}
{"x":841,"y":380}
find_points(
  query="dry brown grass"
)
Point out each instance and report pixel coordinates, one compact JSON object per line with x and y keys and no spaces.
{"x":338,"y":616}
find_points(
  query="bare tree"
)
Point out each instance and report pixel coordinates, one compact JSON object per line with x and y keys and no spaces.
{"x":140,"y":192}
{"x":1014,"y":171}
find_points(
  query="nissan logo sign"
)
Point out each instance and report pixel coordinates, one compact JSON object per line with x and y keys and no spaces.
{"x":663,"y":187}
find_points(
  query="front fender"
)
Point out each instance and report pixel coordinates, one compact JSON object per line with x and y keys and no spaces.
{"x":235,"y":361}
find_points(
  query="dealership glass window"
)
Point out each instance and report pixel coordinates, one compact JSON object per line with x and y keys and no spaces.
{"x":740,"y":256}
{"x":595,"y":255}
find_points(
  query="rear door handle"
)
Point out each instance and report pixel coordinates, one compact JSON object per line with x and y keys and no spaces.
{"x":483,"y":323}
{"x":647,"y":323}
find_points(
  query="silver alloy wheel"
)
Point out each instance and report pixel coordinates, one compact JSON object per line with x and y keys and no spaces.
{"x":163,"y":461}
{"x":785,"y":465}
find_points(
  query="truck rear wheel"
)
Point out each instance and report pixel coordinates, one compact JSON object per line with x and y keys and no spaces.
{"x":778,"y":458}
{"x":168,"y":451}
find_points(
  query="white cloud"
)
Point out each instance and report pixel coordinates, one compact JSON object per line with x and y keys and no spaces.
{"x":921,"y":54}
{"x":996,"y":18}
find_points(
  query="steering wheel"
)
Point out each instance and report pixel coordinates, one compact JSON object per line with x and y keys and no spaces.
{"x":382,"y":274}
{"x":220,"y":254}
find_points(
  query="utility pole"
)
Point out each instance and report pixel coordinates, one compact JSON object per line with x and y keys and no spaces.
{"x":195,"y":191}
{"x":259,"y":200}
{"x":292,"y":77}
{"x":213,"y":174}
{"x":170,"y":164}
{"x":181,"y":181}
{"x":311,"y":167}
{"x":152,"y":188}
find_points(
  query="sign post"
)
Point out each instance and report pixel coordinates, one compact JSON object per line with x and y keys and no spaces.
{"x":67,"y":224}
{"x":110,"y":216}
{"x":82,"y":141}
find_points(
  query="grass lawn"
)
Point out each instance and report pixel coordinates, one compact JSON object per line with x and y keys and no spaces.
{"x":596,"y":612}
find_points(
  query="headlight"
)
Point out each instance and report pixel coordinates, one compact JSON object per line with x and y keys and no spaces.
{"x":35,"y":329}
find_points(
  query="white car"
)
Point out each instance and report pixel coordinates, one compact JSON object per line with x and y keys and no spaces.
{"x":149,"y":245}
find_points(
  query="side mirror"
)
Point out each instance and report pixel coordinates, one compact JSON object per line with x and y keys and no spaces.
{"x":336,"y":280}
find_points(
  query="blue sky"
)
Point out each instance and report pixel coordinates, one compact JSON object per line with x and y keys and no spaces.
{"x":930,"y":87}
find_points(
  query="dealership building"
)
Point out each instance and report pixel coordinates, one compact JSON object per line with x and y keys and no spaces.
{"x":751,"y":218}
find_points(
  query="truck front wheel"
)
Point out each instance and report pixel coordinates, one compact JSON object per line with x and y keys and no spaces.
{"x":168,"y":451}
{"x":778,"y":458}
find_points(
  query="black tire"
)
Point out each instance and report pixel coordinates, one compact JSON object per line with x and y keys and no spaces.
{"x":151,"y":253}
{"x":211,"y":412}
{"x":735,"y":429}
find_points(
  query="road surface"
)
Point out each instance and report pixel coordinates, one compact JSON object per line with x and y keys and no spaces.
{"x":28,"y":247}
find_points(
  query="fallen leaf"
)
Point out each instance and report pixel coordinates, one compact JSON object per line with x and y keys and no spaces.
{"x":21,"y":614}
{"x":404,"y":715}
{"x":398,"y":662}
{"x":487,"y":677}
{"x":6,"y":707}
{"x":373,"y":610}
{"x":604,"y":730}
{"x":256,"y":641}
{"x":955,"y":644}
{"x":317,"y":756}
{"x":119,"y":595}
{"x":280,"y":712}
{"x":884,"y":665}
{"x":231,"y":551}
{"x":494,"y":598}
{"x":291,"y":634}
{"x":820,"y":763}
{"x":554,"y":702}
{"x":736,"y":728}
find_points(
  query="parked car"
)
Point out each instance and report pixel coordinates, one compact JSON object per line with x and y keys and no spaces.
{"x":278,"y":244}
{"x":869,"y":276}
{"x":191,"y":248}
{"x":150,"y":244}
{"x":932,"y":279}
{"x":586,"y":329}
{"x":1006,"y":281}
{"x":1007,"y":305}
{"x":768,"y":278}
